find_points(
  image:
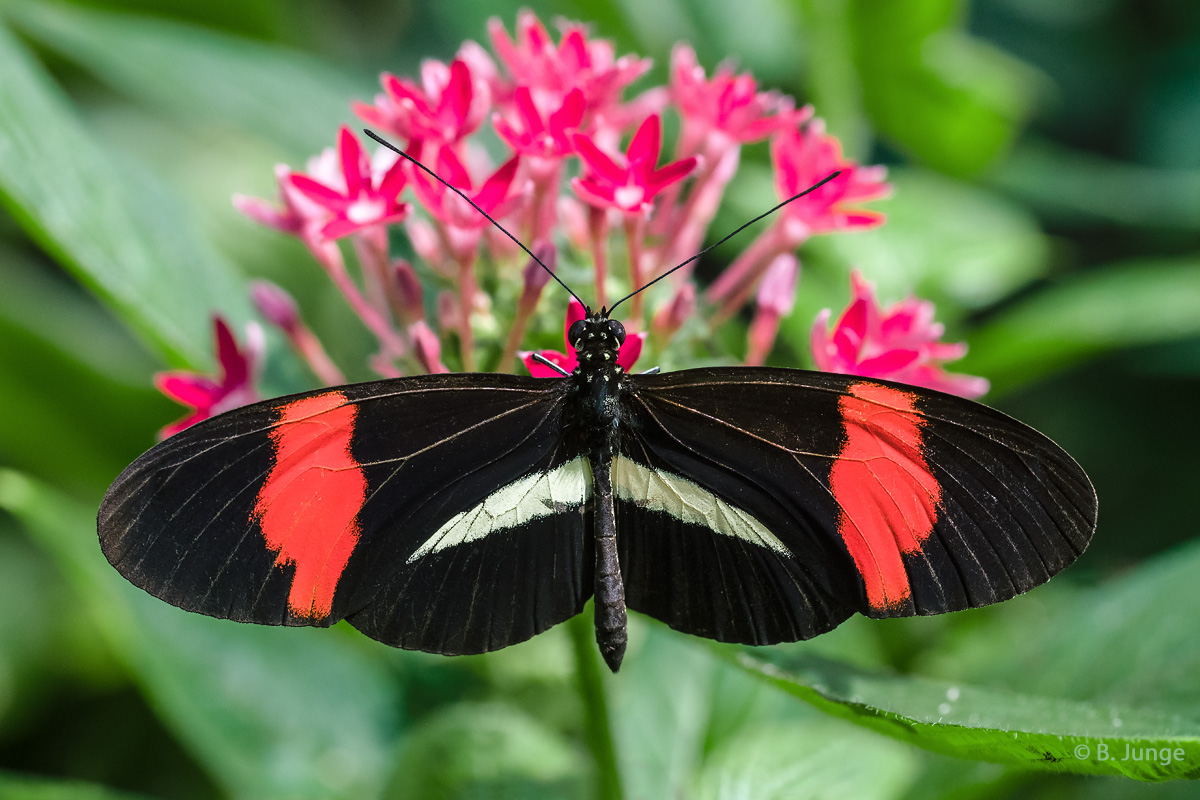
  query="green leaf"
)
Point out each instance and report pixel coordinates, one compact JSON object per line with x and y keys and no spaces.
{"x":951,"y":101}
{"x":1077,"y":187}
{"x":24,"y":787}
{"x":1121,"y":305}
{"x":492,"y":750}
{"x":660,"y":706}
{"x":688,"y":724}
{"x":781,"y":760}
{"x":1008,"y":727}
{"x":1130,"y":641}
{"x":945,"y":240}
{"x":834,"y":86}
{"x":277,"y":94}
{"x":115,"y":229}
{"x":271,"y":712}
{"x":48,"y":362}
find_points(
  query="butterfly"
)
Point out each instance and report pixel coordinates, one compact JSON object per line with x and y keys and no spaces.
{"x":462,"y":513}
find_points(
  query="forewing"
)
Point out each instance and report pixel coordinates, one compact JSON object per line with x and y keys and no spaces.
{"x":440,"y":512}
{"x":833,"y":494}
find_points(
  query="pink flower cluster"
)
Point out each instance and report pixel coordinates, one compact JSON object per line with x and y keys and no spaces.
{"x":585,"y":168}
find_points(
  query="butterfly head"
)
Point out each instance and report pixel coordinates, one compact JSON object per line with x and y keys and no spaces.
{"x":596,"y":338}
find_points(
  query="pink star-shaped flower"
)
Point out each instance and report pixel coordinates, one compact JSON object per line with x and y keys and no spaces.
{"x":577,"y":62}
{"x":804,"y":157}
{"x":900,"y":343}
{"x":629,"y":183}
{"x":493,"y":196}
{"x":531,"y":133}
{"x":627,"y":356}
{"x":449,"y":105}
{"x":728,"y":103}
{"x":207,"y":396}
{"x":364,"y":199}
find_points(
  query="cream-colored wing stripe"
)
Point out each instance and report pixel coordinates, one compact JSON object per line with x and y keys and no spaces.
{"x":539,"y":495}
{"x":688,"y":502}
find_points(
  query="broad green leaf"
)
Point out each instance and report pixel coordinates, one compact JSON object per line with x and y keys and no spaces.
{"x":688,"y":724}
{"x":1121,"y":305}
{"x":945,"y":240}
{"x":781,"y":760}
{"x":977,"y":722}
{"x":58,"y":345}
{"x":494,"y":750}
{"x":1080,"y":187}
{"x":270,"y":712}
{"x":831,"y":74}
{"x":116,"y":229}
{"x":660,"y":705}
{"x":24,"y":787}
{"x":1130,"y":641}
{"x":950,"y":100}
{"x":279,"y":95}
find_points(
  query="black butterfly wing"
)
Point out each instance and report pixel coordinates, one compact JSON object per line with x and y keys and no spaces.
{"x":787,"y":500}
{"x":442,"y":513}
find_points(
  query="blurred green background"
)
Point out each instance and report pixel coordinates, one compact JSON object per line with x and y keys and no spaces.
{"x":1047,"y":196}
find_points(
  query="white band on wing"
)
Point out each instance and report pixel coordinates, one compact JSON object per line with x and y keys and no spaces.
{"x":656,"y":490}
{"x":563,"y":488}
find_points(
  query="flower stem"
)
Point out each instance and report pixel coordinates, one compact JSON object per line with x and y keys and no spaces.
{"x":595,"y":704}
{"x":733,"y":287}
{"x":598,"y":233}
{"x":635,"y":234}
{"x":371,"y":247}
{"x":466,"y":303}
{"x":516,"y":332}
{"x":329,"y":257}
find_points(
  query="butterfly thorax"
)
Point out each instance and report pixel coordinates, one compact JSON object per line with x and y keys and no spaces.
{"x":598,"y":381}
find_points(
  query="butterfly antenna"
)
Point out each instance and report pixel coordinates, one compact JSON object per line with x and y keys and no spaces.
{"x":488,"y":216}
{"x":740,"y":228}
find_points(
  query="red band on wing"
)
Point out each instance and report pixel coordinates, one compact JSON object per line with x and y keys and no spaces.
{"x":309,"y":505}
{"x":887,"y":495}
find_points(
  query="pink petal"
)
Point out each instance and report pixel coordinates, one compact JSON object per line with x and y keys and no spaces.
{"x":862,"y":220}
{"x":569,"y":114}
{"x":597,"y":161}
{"x":354,"y":162}
{"x":851,"y":331}
{"x":573,"y":50}
{"x":457,"y":94}
{"x":819,"y":342}
{"x":317,"y":192}
{"x":372,"y":115}
{"x":646,"y":143}
{"x":516,"y":139}
{"x":188,"y":388}
{"x":496,"y":187}
{"x":539,"y":370}
{"x":394,"y":181}
{"x":528,"y":111}
{"x":265,"y":214}
{"x":452,"y":170}
{"x":888,"y":364}
{"x":675,"y":171}
{"x":631,"y":348}
{"x":234,"y":365}
{"x":777,"y":292}
{"x":336,"y":229}
{"x":593,"y":193}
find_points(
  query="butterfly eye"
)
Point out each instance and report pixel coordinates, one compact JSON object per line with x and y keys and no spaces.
{"x":617,"y":330}
{"x":575,"y":332}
